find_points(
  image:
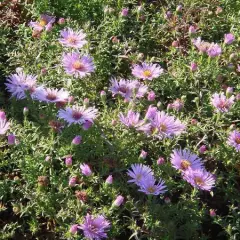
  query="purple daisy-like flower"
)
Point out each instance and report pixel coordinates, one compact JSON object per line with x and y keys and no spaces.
{"x":77,"y":65}
{"x":72,"y":39}
{"x":45,"y":22}
{"x":78,"y":114}
{"x":214,"y":50}
{"x":86,"y":170}
{"x":184,"y":159}
{"x":151,"y":113}
{"x":149,"y":186}
{"x":147,"y":71}
{"x":163,"y":125}
{"x":95,"y":227}
{"x":228,"y":38}
{"x":138,"y":173}
{"x":18,"y":84}
{"x":234,"y":140}
{"x":4,"y":126}
{"x":200,"y":179}
{"x":221,"y":102}
{"x":202,"y":46}
{"x":122,"y":88}
{"x":138,"y":88}
{"x":51,"y":95}
{"x":131,"y":120}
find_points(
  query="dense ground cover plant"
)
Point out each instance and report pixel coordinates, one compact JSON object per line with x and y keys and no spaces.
{"x":120,"y":119}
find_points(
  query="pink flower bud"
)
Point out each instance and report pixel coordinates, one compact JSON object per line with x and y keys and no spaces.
{"x":43,"y":71}
{"x":212,"y":213}
{"x":61,"y":21}
{"x":192,"y":30}
{"x":175,"y":44}
{"x":87,"y":125}
{"x":25,"y":111}
{"x":151,"y":96}
{"x":228,"y":38}
{"x":71,"y":99}
{"x":109,"y":179}
{"x":72,"y":181}
{"x":167,"y":200}
{"x":229,"y":91}
{"x":202,"y":149}
{"x":11,"y":139}
{"x":47,"y":158}
{"x":73,"y":229}
{"x":124,"y":12}
{"x":160,"y":161}
{"x":179,"y":8}
{"x":168,"y":15}
{"x":85,"y":169}
{"x":86,"y":102}
{"x":49,"y":27}
{"x":68,"y":161}
{"x":193,"y":66}
{"x":238,"y":97}
{"x":77,"y":140}
{"x":143,"y":154}
{"x":194,"y":121}
{"x":119,"y":200}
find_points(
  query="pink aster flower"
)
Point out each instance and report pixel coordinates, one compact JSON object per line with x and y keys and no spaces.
{"x":77,"y":114}
{"x":51,"y":95}
{"x":118,"y":201}
{"x":149,"y":186}
{"x":200,"y":179}
{"x":138,"y":173}
{"x":95,"y":227}
{"x":131,"y":120}
{"x":45,"y":22}
{"x":163,"y":125}
{"x":151,"y":113}
{"x":72,"y":39}
{"x":177,"y":105}
{"x":214,"y":50}
{"x":147,"y":71}
{"x":228,"y":38}
{"x":77,"y":65}
{"x":138,"y":89}
{"x":4,"y":126}
{"x":184,"y":159}
{"x":202,"y":46}
{"x":221,"y":102}
{"x":20,"y":83}
{"x":86,"y":170}
{"x":234,"y":140}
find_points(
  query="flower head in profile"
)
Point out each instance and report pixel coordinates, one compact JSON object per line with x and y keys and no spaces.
{"x":151,"y":112}
{"x":228,"y":38}
{"x":138,"y":173}
{"x":200,"y":179}
{"x":184,"y":160}
{"x":149,"y":186}
{"x":78,"y":114}
{"x":214,"y":50}
{"x":77,"y":65}
{"x":234,"y":140}
{"x":95,"y":227}
{"x":221,"y":102}
{"x":19,"y":84}
{"x":177,"y":105}
{"x":147,"y":71}
{"x":131,"y":120}
{"x":201,"y":45}
{"x":85,"y":169}
{"x":4,"y":126}
{"x":51,"y":95}
{"x":44,"y":22}
{"x":69,"y":38}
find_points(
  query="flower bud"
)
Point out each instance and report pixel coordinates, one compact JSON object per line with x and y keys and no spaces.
{"x":109,"y":179}
{"x":61,"y":21}
{"x":212,"y":213}
{"x":228,"y":38}
{"x":151,"y":96}
{"x":179,"y":8}
{"x":160,"y":161}
{"x":87,"y":125}
{"x":25,"y":111}
{"x":124,"y":12}
{"x":202,"y":149}
{"x":119,"y":200}
{"x":73,"y":229}
{"x":167,"y":200}
{"x":47,"y":158}
{"x":68,"y":161}
{"x":233,"y":57}
{"x":86,"y":102}
{"x":175,"y":44}
{"x":193,"y":66}
{"x":114,"y":122}
{"x":49,"y":27}
{"x":192,"y":30}
{"x":143,"y":154}
{"x":72,"y":181}
{"x":11,"y":139}
{"x":229,"y":91}
{"x":77,"y":140}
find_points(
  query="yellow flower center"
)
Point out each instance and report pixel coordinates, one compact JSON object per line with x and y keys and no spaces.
{"x":147,"y":73}
{"x":163,"y":127}
{"x":151,"y":189}
{"x":185,"y":164}
{"x":198,"y":181}
{"x":237,"y":140}
{"x":78,"y":65}
{"x":72,"y":40}
{"x":43,"y":22}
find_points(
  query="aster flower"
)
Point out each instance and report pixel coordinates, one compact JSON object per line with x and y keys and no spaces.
{"x":151,"y":113}
{"x":221,"y":102}
{"x":72,"y":39}
{"x":4,"y":126}
{"x":184,"y":159}
{"x":228,"y":38}
{"x":163,"y":125}
{"x":45,"y":22}
{"x":234,"y":140}
{"x":202,"y":46}
{"x":77,"y":114}
{"x":214,"y":50}
{"x":177,"y":105}
{"x":138,"y":88}
{"x":131,"y":120}
{"x":200,"y":179}
{"x":85,"y":169}
{"x":51,"y":95}
{"x":147,"y":71}
{"x":149,"y":186}
{"x":138,"y":173}
{"x":77,"y":65}
{"x":18,"y":84}
{"x":95,"y":227}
